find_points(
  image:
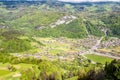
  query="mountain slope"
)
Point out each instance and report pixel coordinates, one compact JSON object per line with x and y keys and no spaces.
{"x":75,"y":29}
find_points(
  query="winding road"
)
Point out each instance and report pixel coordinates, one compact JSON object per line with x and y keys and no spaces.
{"x":95,"y":47}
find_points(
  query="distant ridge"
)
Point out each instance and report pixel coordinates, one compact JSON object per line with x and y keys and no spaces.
{"x":71,"y":1}
{"x":23,"y":0}
{"x":79,"y":1}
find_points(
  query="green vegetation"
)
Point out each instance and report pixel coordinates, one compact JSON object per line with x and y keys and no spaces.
{"x":93,"y":29}
{"x":113,"y":70}
{"x":31,"y":68}
{"x":10,"y":43}
{"x":75,"y":29}
{"x":35,"y":20}
{"x":31,"y":49}
{"x":13,"y":46}
{"x":99,"y":59}
{"x":112,"y":23}
{"x":29,"y":22}
{"x":4,"y":72}
{"x":41,"y":69}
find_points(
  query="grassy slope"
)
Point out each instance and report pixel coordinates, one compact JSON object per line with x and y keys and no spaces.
{"x":35,"y":18}
{"x":5,"y":74}
{"x":75,"y":29}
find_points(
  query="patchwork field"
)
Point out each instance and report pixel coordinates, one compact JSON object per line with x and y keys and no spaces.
{"x":115,"y":50}
{"x":53,"y":46}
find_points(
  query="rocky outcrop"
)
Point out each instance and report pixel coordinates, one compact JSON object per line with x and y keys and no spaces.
{"x":63,"y":20}
{"x":39,"y":27}
{"x":3,"y":26}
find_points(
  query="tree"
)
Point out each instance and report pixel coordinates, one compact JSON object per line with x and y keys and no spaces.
{"x":28,"y":74}
{"x":113,"y":70}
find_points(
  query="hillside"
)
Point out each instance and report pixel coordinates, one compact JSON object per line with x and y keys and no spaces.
{"x":30,"y":18}
{"x":56,"y":40}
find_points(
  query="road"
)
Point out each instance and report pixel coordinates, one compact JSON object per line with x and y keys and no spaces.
{"x":95,"y":47}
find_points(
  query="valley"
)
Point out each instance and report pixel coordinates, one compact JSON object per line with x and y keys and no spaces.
{"x":54,"y":40}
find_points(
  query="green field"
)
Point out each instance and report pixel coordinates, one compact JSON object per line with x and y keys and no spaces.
{"x":4,"y":72}
{"x":99,"y":59}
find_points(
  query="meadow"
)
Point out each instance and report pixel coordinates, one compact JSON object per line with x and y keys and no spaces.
{"x":98,"y":59}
